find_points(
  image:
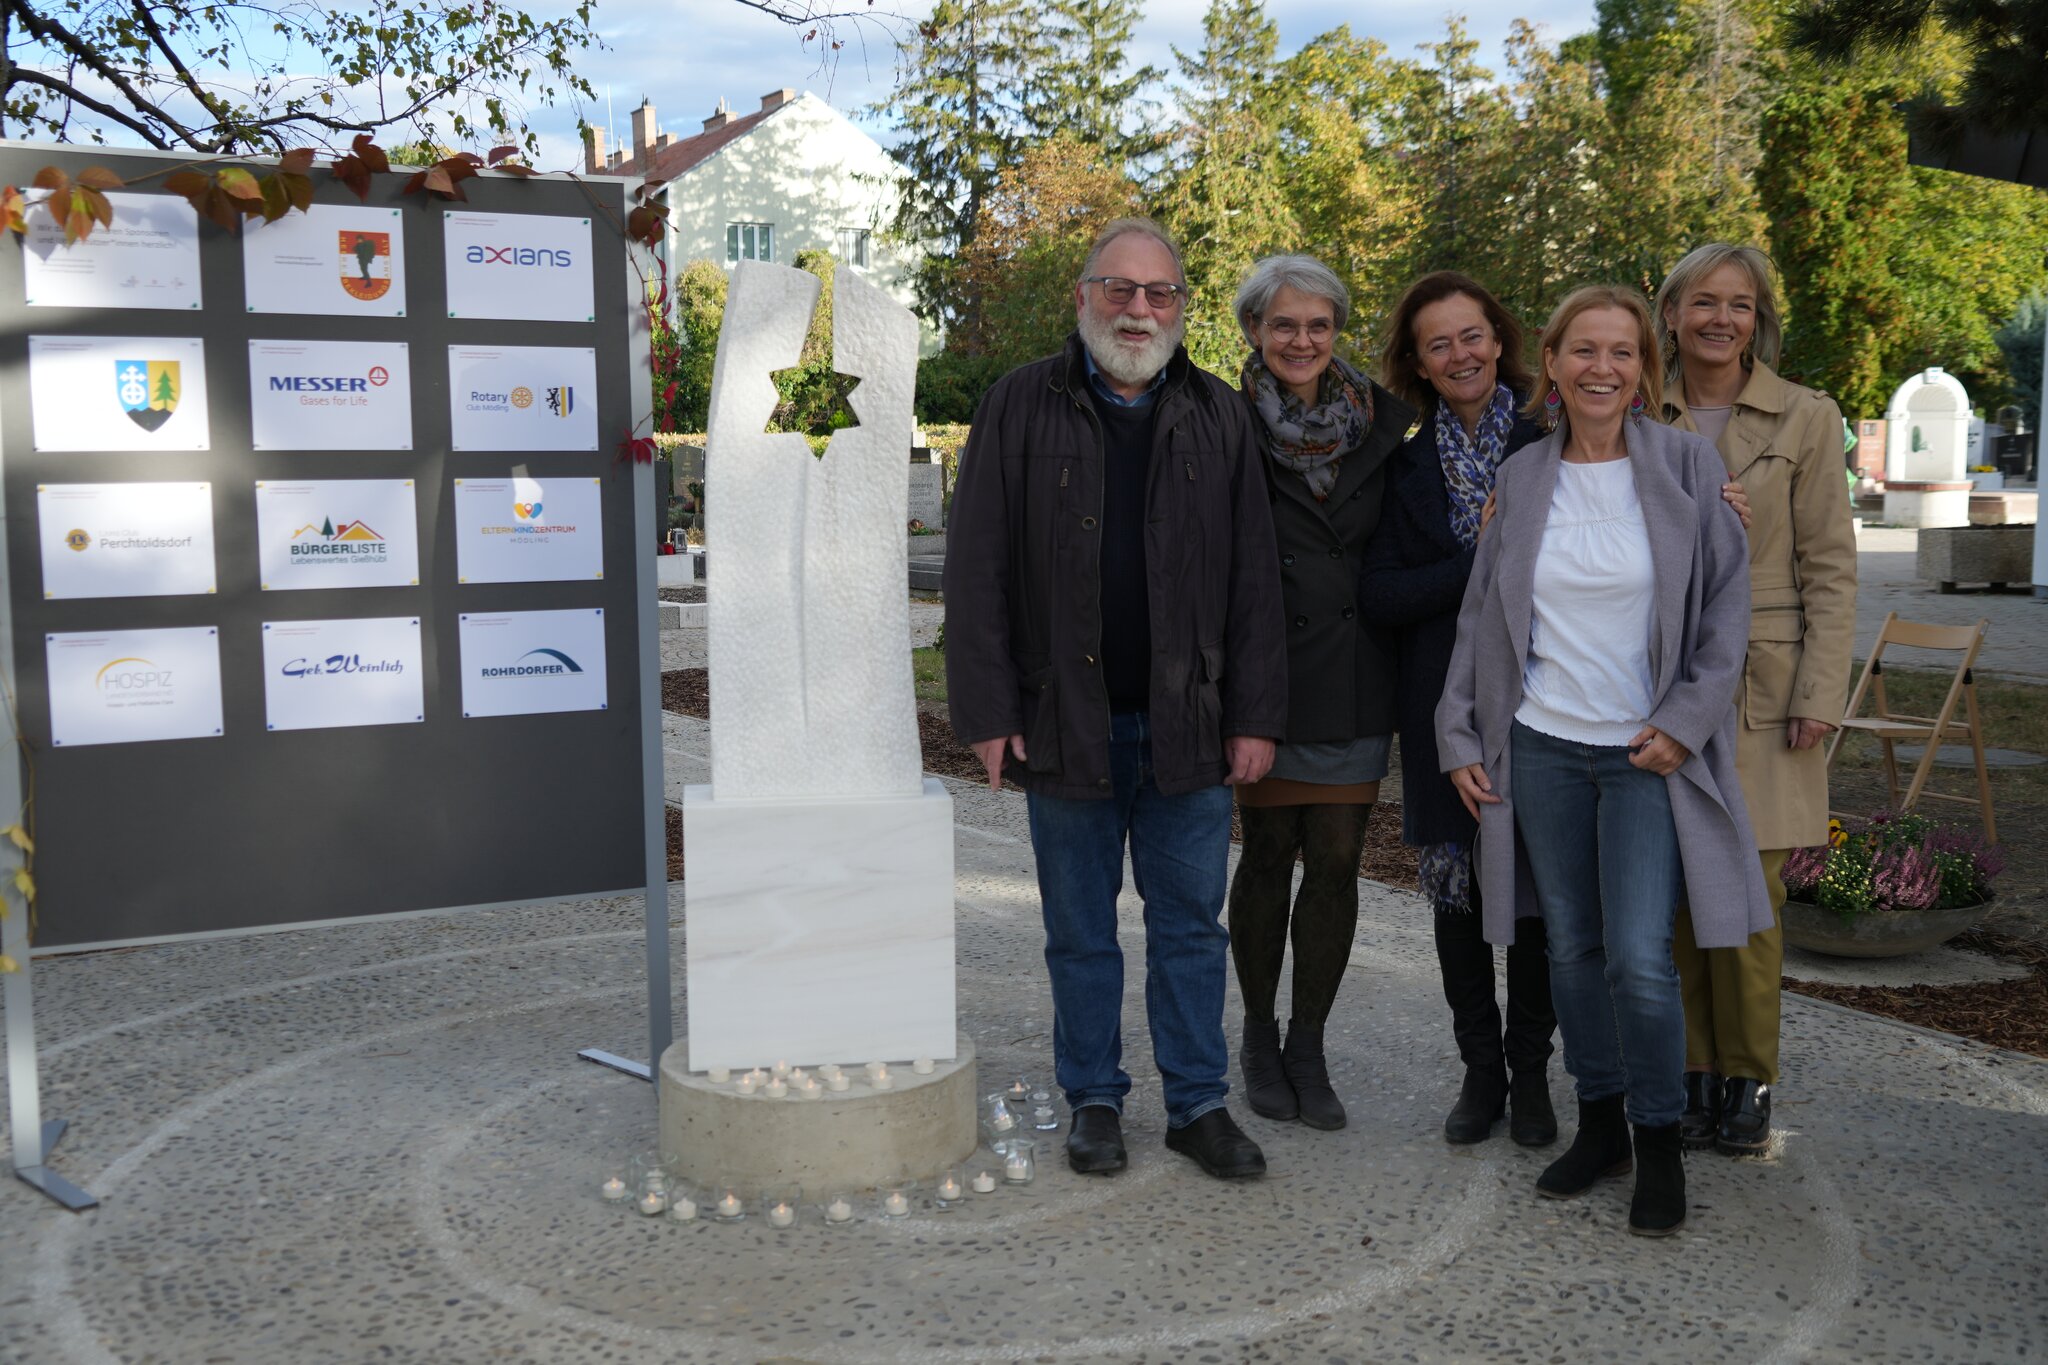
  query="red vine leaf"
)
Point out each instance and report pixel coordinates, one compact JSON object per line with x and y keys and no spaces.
{"x":54,"y":180}
{"x":14,"y":210}
{"x":298,"y":189}
{"x":372,"y":155}
{"x":239,"y":184}
{"x":352,"y":171}
{"x":99,"y":178}
{"x":644,"y":225}
{"x":297,"y":161}
{"x":276,"y":203}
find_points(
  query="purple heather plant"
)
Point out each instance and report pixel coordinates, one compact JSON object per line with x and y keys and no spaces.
{"x":1896,"y":862}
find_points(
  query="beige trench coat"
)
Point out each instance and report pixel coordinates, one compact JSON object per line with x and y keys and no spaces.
{"x":1784,"y":446}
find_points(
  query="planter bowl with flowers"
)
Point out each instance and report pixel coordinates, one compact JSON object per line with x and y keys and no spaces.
{"x":1904,"y":883}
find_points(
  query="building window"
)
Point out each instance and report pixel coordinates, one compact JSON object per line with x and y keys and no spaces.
{"x":750,"y":241}
{"x":853,"y":247}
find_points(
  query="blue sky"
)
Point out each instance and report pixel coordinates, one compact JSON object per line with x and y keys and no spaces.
{"x":737,"y":53}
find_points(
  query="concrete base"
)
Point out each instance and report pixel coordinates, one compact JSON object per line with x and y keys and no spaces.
{"x":684,"y":615}
{"x":1927,"y":504}
{"x":853,"y":1140}
{"x":1950,"y":555}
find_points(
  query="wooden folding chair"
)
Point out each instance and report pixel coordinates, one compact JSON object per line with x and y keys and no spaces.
{"x":1889,"y":727}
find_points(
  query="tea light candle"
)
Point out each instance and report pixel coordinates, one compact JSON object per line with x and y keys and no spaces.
{"x":895,"y":1205}
{"x":1018,"y":1092}
{"x":839,"y":1211}
{"x":923,"y":1066}
{"x":873,"y":1067}
{"x":949,"y":1189}
{"x":613,"y":1190}
{"x":653,"y":1202}
{"x":1017,"y":1168}
{"x":781,"y":1215}
{"x":810,"y":1089}
{"x":776,"y":1088}
{"x":760,"y":1076}
{"x":829,"y":1070}
{"x":719,"y":1074}
{"x":781,"y":1070}
{"x":883,"y":1080}
{"x":1003,"y":1122}
{"x":837,"y":1081}
{"x":730,"y":1206}
{"x":746,"y":1084}
{"x":797,"y":1076}
{"x":984,"y":1182}
{"x":683,"y":1209}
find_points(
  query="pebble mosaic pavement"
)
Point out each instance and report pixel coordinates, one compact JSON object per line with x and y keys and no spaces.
{"x":374,"y":1142}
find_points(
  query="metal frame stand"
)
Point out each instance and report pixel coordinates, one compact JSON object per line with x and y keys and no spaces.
{"x":34,"y":1136}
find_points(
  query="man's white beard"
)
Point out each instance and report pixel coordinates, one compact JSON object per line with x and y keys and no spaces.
{"x":1115,"y":358}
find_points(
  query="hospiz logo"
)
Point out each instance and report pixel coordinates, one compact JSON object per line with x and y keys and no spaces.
{"x":377,"y":378}
{"x":558,"y":258}
{"x":335,"y":664}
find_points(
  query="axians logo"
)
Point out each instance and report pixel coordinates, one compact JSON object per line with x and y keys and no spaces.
{"x":547,"y":662}
{"x":145,"y":676}
{"x":77,"y":540}
{"x":553,"y":257}
{"x":335,"y":664}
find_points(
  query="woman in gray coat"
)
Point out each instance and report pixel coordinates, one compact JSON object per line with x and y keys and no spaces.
{"x":1588,"y":723}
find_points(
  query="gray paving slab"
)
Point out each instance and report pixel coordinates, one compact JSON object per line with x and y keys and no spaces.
{"x":374,"y":1142}
{"x":2017,"y":645}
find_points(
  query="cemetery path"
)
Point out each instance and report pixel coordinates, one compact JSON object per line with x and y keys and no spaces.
{"x":374,"y":1142}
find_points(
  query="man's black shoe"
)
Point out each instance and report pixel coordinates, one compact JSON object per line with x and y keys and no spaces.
{"x":1219,"y":1145}
{"x":1701,"y":1121}
{"x":1095,"y":1141}
{"x":1745,"y":1117}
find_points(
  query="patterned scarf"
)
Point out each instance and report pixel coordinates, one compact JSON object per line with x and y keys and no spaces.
{"x":1311,"y":441}
{"x":1470,"y":462}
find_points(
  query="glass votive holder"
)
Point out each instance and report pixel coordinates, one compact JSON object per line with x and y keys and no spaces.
{"x":728,"y":1205}
{"x":782,"y":1205}
{"x":1044,"y":1117}
{"x":984,"y":1173}
{"x":612,"y":1185}
{"x":894,"y":1201}
{"x":653,"y":1198}
{"x":838,"y":1208}
{"x":951,"y":1190}
{"x":1020,"y":1162}
{"x":682,"y":1204}
{"x":999,"y":1122}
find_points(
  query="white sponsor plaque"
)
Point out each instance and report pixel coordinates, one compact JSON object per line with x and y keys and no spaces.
{"x":524,"y":266}
{"x":117,"y":393}
{"x":338,"y":533}
{"x":322,"y":674}
{"x":522,"y":397}
{"x":524,"y":663}
{"x":523,"y":530}
{"x":148,"y":257}
{"x":122,"y":686}
{"x":345,"y":260}
{"x":125,"y":539}
{"x":330,"y":395}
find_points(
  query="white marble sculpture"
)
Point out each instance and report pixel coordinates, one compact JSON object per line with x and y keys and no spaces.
{"x":811,"y":689}
{"x":820,"y":886}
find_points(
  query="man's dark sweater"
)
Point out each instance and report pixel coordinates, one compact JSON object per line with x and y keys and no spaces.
{"x":1126,"y":614}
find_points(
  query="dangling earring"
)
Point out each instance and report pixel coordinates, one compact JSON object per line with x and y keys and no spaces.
{"x":1553,"y":404}
{"x":1637,"y":407}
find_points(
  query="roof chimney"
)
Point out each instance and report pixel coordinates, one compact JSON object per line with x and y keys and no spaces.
{"x":719,"y":116}
{"x":593,"y":151}
{"x":663,"y":141}
{"x":775,"y":99}
{"x":643,"y":131}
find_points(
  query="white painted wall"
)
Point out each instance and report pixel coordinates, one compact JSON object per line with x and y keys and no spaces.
{"x":809,"y":171}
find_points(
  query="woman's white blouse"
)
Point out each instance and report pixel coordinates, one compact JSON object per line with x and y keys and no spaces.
{"x":1587,"y":678}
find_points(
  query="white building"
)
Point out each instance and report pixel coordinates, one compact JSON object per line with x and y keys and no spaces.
{"x":793,"y":175}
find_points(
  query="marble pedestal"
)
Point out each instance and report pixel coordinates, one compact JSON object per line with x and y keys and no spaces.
{"x":1927,"y":504}
{"x":819,"y":929}
{"x":849,"y":1140}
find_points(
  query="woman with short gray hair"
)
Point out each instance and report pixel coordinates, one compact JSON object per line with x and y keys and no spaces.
{"x":1328,"y":430}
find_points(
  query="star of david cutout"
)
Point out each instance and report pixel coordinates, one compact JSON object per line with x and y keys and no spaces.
{"x":799,"y":387}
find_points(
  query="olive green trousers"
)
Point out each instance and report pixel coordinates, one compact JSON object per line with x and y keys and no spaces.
{"x":1731,"y":994}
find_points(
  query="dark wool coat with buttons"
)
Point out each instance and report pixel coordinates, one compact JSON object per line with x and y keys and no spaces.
{"x":1340,"y":669}
{"x":1023,"y":580}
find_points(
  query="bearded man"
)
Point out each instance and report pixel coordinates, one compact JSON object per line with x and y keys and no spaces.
{"x":1114,"y":646}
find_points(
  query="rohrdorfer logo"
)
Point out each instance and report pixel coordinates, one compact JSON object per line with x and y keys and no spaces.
{"x":148,"y":389}
{"x":352,"y":542}
{"x":365,"y":264}
{"x":536,"y":663}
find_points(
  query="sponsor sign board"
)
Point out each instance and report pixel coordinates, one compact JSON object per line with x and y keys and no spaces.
{"x":337,"y":533}
{"x":148,"y":257}
{"x":526,"y":530}
{"x":523,"y":663}
{"x":344,"y":260}
{"x":330,"y":395}
{"x":522,"y":397}
{"x":123,"y":686}
{"x":125,"y":539}
{"x":117,"y":393}
{"x":322,"y":674}
{"x":525,"y":266}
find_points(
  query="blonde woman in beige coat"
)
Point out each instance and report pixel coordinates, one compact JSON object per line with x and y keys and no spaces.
{"x":1717,"y":319}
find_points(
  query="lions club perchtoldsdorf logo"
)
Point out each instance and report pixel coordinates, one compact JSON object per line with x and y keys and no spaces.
{"x":148,"y":389}
{"x":77,"y":540}
{"x":366,"y":264}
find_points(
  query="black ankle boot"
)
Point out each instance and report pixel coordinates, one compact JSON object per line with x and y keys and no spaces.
{"x":1600,"y":1148}
{"x":1265,"y":1084}
{"x":1658,"y":1209}
{"x":1745,"y":1116}
{"x":1302,"y":1059}
{"x":1481,"y":1100}
{"x":1702,"y":1117}
{"x":1534,"y":1122}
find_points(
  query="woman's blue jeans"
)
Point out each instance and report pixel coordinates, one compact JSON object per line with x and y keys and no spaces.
{"x":1603,"y":851}
{"x":1180,"y":851}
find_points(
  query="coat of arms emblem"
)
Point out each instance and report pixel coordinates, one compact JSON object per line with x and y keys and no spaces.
{"x":366,"y":264}
{"x":148,"y":390}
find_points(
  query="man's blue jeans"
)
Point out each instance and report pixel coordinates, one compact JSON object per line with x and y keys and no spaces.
{"x":1604,"y":855}
{"x":1180,"y":848}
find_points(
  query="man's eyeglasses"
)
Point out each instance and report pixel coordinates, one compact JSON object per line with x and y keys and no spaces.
{"x":1117,"y":289}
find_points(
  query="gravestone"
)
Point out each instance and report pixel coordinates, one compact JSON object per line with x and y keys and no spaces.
{"x":1926,"y":473}
{"x":927,"y":491}
{"x":1870,"y":450}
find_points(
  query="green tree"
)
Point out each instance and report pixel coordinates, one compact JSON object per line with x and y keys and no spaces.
{"x":2020,"y":343}
{"x":1453,"y":121}
{"x":166,"y":393}
{"x":1078,"y":85}
{"x":686,"y":350}
{"x":2005,"y":44}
